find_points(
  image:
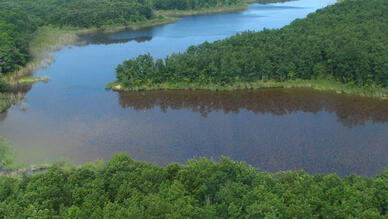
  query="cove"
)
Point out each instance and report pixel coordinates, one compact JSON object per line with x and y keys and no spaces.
{"x":74,"y":117}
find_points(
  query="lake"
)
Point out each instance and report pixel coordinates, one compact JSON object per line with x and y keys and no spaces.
{"x":74,"y":117}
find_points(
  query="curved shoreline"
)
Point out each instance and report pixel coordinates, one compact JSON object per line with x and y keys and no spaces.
{"x":48,"y":39}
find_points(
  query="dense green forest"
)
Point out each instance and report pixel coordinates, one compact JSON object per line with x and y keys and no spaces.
{"x":347,"y":41}
{"x":3,"y":85}
{"x":20,"y":18}
{"x":15,"y":25}
{"x":124,"y":188}
{"x":192,"y":4}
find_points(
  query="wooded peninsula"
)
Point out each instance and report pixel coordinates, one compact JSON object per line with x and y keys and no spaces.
{"x":342,"y":47}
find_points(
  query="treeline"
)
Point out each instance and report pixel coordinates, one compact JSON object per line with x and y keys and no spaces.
{"x":193,"y":4}
{"x":124,"y":188}
{"x":346,"y":41}
{"x":20,"y":18}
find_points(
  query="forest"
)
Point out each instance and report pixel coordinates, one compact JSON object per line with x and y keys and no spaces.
{"x":201,"y":188}
{"x":345,"y":42}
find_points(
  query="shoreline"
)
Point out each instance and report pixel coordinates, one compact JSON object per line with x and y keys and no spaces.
{"x":322,"y":85}
{"x":47,"y":39}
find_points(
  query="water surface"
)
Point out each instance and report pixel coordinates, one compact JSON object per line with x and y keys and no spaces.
{"x":73,"y":116}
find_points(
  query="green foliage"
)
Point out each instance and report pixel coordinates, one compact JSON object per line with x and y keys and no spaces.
{"x":15,"y":26}
{"x":346,"y":41}
{"x":3,"y":85}
{"x":192,"y":4}
{"x":124,"y":188}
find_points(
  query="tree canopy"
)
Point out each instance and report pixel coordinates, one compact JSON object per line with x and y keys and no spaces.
{"x":347,"y":41}
{"x":124,"y":188}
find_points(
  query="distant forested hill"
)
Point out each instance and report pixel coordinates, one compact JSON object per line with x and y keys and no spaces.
{"x":347,"y":41}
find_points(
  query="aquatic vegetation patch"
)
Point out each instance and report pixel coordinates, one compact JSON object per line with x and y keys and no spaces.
{"x":30,"y":80}
{"x":317,"y":84}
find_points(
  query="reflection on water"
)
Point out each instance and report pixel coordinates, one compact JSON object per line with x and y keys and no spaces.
{"x":111,"y":38}
{"x":15,"y":95}
{"x":273,"y":129}
{"x":350,"y":110}
{"x":3,"y":115}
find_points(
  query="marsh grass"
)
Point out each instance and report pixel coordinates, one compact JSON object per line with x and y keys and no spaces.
{"x":30,"y":80}
{"x":45,"y":40}
{"x":317,"y":84}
